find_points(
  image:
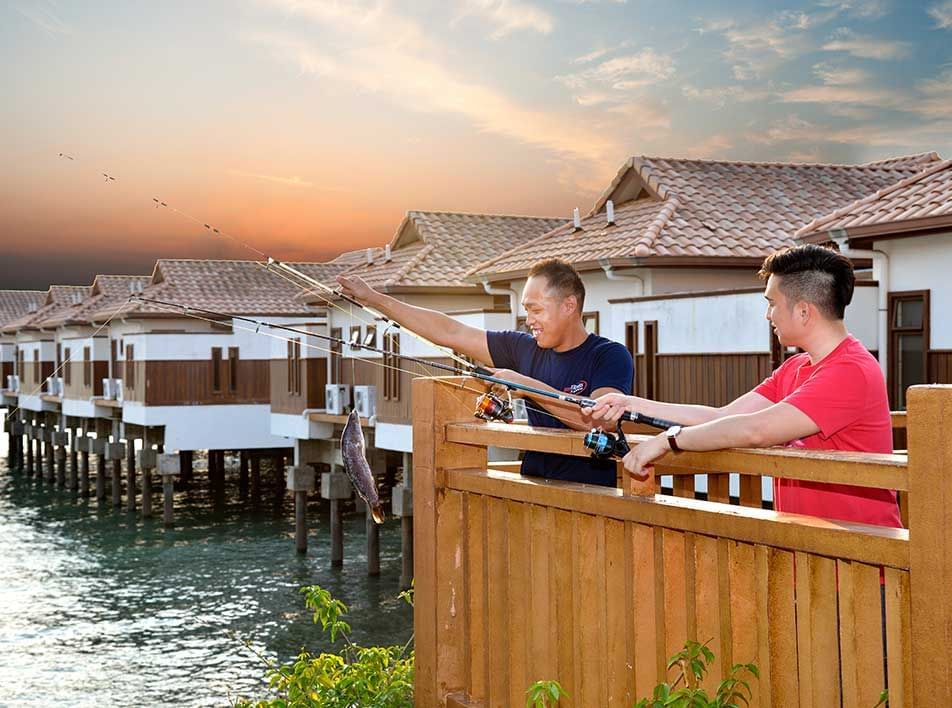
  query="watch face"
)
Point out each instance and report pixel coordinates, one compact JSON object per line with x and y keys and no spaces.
{"x":673,"y":431}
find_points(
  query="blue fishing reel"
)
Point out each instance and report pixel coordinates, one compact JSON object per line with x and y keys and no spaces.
{"x":605,"y":445}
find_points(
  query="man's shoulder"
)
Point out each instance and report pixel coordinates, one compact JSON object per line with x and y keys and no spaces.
{"x":607,"y":346}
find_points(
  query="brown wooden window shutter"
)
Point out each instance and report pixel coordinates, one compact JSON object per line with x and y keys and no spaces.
{"x":297,"y":366}
{"x":216,"y":369}
{"x":87,"y":367}
{"x":233,"y":369}
{"x":130,"y":372}
{"x":36,"y":366}
{"x":290,"y":366}
{"x":67,"y":368}
{"x":337,"y":353}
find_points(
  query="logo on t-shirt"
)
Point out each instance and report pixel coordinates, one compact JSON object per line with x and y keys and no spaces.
{"x":576,"y":388}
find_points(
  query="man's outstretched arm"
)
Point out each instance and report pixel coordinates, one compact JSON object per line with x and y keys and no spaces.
{"x":432,"y":325}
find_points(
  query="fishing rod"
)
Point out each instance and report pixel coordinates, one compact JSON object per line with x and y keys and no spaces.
{"x":498,"y":409}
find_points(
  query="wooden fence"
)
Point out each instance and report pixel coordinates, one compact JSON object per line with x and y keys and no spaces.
{"x":519,"y":580}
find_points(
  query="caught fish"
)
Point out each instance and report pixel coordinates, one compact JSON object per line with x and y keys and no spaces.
{"x":354,"y":451}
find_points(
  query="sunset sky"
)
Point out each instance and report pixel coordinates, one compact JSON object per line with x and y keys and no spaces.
{"x":307,"y":127}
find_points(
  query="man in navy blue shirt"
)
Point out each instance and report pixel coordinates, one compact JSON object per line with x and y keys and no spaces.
{"x":557,"y":354}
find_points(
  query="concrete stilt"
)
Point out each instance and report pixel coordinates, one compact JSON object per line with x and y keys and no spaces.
{"x":402,"y":504}
{"x":243,"y":475}
{"x":48,"y":457}
{"x":74,"y":461}
{"x":30,"y":469}
{"x":373,"y":543}
{"x":300,"y":481}
{"x":255,"y":478}
{"x":117,"y":483}
{"x":84,"y":472}
{"x":130,"y":475}
{"x":60,"y":441}
{"x":147,"y":459}
{"x":168,"y":466}
{"x":101,"y":465}
{"x":336,"y":486}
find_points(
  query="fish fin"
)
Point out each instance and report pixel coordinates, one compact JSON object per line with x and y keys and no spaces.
{"x":377,"y":513}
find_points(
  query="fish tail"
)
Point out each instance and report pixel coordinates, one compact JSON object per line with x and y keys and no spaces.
{"x":377,"y":512}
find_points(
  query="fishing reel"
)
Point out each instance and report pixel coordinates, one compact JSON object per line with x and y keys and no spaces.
{"x":606,"y":445}
{"x":492,"y":407}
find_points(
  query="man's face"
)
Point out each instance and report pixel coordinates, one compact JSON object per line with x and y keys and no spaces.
{"x":547,"y":314}
{"x":780,"y":313}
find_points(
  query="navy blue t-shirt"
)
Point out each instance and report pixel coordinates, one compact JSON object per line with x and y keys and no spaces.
{"x":596,"y":363}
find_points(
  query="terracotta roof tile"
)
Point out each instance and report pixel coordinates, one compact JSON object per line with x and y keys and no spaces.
{"x":17,"y":303}
{"x":925,"y":195}
{"x":692,"y":208}
{"x":107,"y":293}
{"x":436,"y":249}
{"x":56,"y":299}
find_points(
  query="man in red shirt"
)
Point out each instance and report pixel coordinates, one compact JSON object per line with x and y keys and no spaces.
{"x":831,"y":397}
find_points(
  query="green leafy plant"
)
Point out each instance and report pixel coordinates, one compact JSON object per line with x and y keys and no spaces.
{"x":544,"y":694}
{"x":370,"y":677}
{"x":692,"y":663}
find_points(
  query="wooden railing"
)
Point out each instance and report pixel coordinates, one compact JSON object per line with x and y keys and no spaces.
{"x":519,"y":580}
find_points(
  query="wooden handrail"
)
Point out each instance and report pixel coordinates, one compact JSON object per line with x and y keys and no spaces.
{"x":835,"y":467}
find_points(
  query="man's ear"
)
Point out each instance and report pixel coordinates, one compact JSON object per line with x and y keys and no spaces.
{"x":804,"y":311}
{"x":570,"y":305}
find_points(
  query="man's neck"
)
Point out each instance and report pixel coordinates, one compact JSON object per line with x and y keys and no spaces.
{"x":824,"y":341}
{"x":573,"y":338}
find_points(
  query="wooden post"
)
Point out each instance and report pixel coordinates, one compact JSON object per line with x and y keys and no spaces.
{"x":930,"y":542}
{"x":186,"y":458}
{"x":168,"y":466}
{"x":243,"y":475}
{"x":30,"y":469}
{"x":74,"y":461}
{"x":402,"y":506}
{"x":101,"y":465}
{"x":117,"y":483}
{"x":60,"y":454}
{"x":440,"y":667}
{"x":300,"y":481}
{"x":147,"y":459}
{"x":373,"y":542}
{"x":255,"y":478}
{"x":48,"y":455}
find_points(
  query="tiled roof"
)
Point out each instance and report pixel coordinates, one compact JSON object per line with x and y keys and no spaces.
{"x":108,"y":293}
{"x":436,"y":249}
{"x":234,"y":287}
{"x":56,"y":299}
{"x":17,"y":303}
{"x":918,"y":200}
{"x":674,"y":208}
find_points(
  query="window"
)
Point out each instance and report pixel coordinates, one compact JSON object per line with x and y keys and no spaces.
{"x":297,"y":366}
{"x":36,"y":366}
{"x":216,"y":369}
{"x":337,"y":353}
{"x":113,"y":358}
{"x":59,"y":355}
{"x":87,"y":367}
{"x":631,"y":344}
{"x":370,"y":338}
{"x":290,"y":366}
{"x":233,"y":369}
{"x":67,"y":368}
{"x":355,"y":338}
{"x":391,"y":363}
{"x":908,"y":343}
{"x":590,"y":322}
{"x":650,"y":379}
{"x":130,"y":369}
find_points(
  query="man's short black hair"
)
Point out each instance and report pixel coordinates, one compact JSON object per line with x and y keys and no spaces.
{"x":561,"y":277}
{"x":814,"y":274}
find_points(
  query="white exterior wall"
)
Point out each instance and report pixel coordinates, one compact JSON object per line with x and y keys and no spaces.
{"x":861,"y":316}
{"x":922,"y":263}
{"x":208,"y":427}
{"x":300,"y":427}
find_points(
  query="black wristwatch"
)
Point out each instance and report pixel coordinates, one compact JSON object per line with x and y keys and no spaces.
{"x":672,"y":434}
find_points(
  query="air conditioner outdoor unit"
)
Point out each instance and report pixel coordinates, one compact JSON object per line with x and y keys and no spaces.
{"x":365,"y":401}
{"x":107,"y":391}
{"x":54,"y":386}
{"x":117,"y":389}
{"x":13,"y":382}
{"x":337,"y":398}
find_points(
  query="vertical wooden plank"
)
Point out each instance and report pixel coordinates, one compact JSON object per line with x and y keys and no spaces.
{"x":724,"y":605}
{"x":930,"y":541}
{"x":564,"y":601}
{"x":498,"y":601}
{"x":645,"y":630}
{"x":751,"y":493}
{"x":762,"y":595}
{"x":783,"y":611}
{"x":847,"y":611}
{"x":683,"y":485}
{"x":675,"y":590}
{"x":542,"y":658}
{"x":477,"y":591}
{"x":451,"y":596}
{"x":518,"y":590}
{"x":744,"y":615}
{"x":433,"y":406}
{"x":618,"y":594}
{"x":868,"y":635}
{"x":590,"y":604}
{"x":718,"y":488}
{"x":899,"y":651}
{"x":707,"y":604}
{"x":817,"y":631}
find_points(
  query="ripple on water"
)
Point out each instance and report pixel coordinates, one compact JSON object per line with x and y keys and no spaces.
{"x":98,"y":607}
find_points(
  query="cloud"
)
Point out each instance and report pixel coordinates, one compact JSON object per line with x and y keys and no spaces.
{"x":942,"y":14}
{"x":721,"y":96}
{"x":857,"y":95}
{"x":866,"y":47}
{"x":833,"y":75}
{"x":389,"y":55}
{"x":862,"y":9}
{"x":935,"y":96}
{"x":44,"y":16}
{"x":599,"y":53}
{"x":623,"y":72}
{"x":289,"y":181}
{"x":756,"y":48}
{"x":714,"y":146}
{"x":508,"y":16}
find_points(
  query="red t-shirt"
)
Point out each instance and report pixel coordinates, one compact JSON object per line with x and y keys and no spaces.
{"x":845,"y":395}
